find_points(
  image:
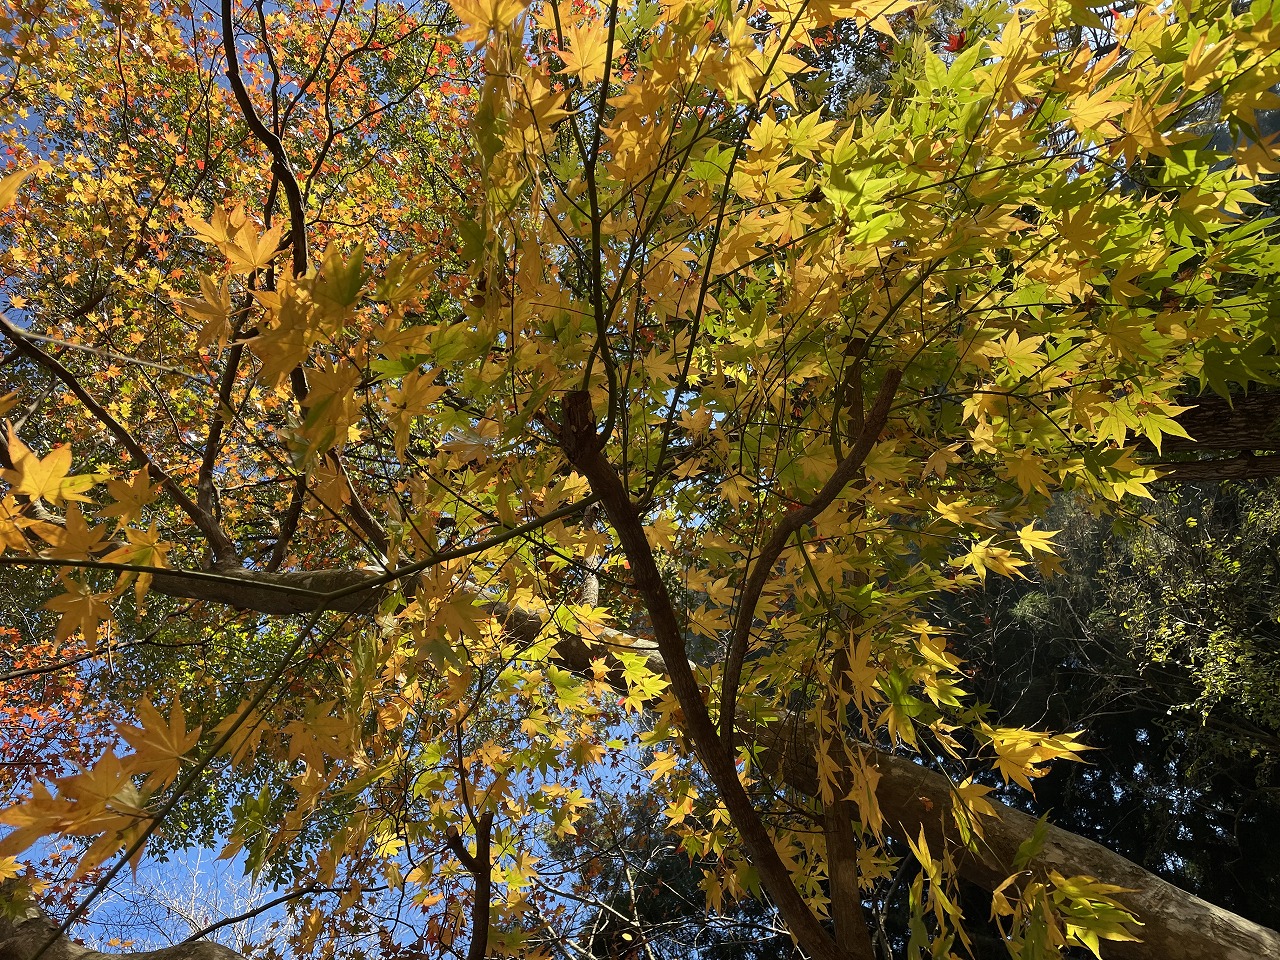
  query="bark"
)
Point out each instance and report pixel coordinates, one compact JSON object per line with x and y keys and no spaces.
{"x":847,"y":915}
{"x":282,"y":594}
{"x":584,"y":448}
{"x":1247,"y":466}
{"x":1248,"y":425}
{"x":1247,"y":422}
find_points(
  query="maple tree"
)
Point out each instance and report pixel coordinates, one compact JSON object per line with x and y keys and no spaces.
{"x":514,"y":391}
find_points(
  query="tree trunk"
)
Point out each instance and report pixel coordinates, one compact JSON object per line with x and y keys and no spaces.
{"x":1248,"y":425}
{"x":1245,"y":422}
{"x":1247,"y":466}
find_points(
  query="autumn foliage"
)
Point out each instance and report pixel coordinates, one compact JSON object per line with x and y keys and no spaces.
{"x":495,"y":395}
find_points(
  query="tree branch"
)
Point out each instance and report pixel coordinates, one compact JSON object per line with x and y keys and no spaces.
{"x":224,"y":551}
{"x":1247,"y":466}
{"x":583,"y":447}
{"x":22,"y":937}
{"x":279,"y":159}
{"x":480,"y":866}
{"x":769,"y":553}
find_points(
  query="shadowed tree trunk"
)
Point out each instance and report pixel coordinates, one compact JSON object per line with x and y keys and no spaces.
{"x":1247,"y":422}
{"x":1247,"y":427}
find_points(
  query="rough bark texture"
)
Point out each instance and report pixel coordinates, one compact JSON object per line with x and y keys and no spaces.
{"x":1247,"y":422}
{"x":32,"y":931}
{"x":1248,"y":425}
{"x":289,"y":593}
{"x":1247,"y":466}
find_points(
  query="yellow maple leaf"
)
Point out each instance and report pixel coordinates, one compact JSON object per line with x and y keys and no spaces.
{"x":248,"y":255}
{"x":44,"y":479}
{"x":1025,"y":467}
{"x":10,"y":183}
{"x":863,"y":671}
{"x":1089,"y":110}
{"x":664,"y":763}
{"x":1036,"y":541}
{"x":416,"y":393}
{"x":482,"y":17}
{"x":130,"y":496}
{"x":866,"y":779}
{"x":970,"y":807}
{"x":962,"y":513}
{"x":985,"y":555}
{"x":1259,"y":158}
{"x":145,"y":549}
{"x":1142,"y":129}
{"x":81,"y":610}
{"x":158,"y":744}
{"x":1021,"y":754}
{"x":585,"y":51}
{"x":212,"y":311}
{"x":244,"y":729}
{"x":72,"y":541}
{"x":11,"y":526}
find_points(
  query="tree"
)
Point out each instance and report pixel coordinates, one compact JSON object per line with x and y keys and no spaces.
{"x":681,"y":395}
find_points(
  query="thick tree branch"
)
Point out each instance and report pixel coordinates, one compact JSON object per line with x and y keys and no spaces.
{"x":480,"y":866}
{"x":1247,"y":466}
{"x":23,"y":937}
{"x":1177,"y":924}
{"x":847,"y":914}
{"x":1247,"y":424}
{"x":279,"y":159}
{"x":1244,"y":422}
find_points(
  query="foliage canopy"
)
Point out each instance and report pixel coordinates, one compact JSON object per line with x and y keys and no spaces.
{"x":491,"y":396}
